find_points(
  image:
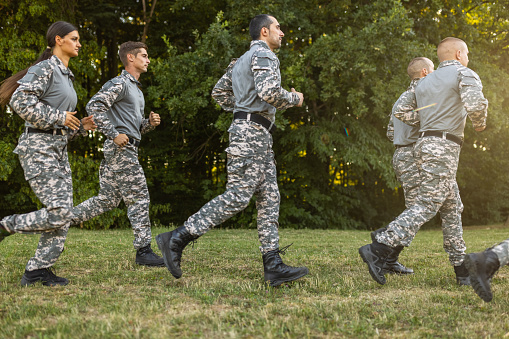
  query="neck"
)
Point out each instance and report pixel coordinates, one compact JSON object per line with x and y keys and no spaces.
{"x":133,"y":72}
{"x":62,"y":57}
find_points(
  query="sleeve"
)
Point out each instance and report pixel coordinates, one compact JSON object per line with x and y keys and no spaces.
{"x":74,"y":134}
{"x":475,"y":103}
{"x":25,"y":100}
{"x":390,"y":129}
{"x":101,"y":102}
{"x":223,"y":92}
{"x":405,"y":108}
{"x":265,"y":67}
{"x":146,"y":126}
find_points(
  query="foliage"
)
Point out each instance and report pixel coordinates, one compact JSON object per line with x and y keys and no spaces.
{"x":349,"y":59}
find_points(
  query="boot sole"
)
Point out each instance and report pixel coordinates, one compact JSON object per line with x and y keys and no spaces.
{"x":25,"y":282}
{"x":167,"y":261}
{"x":275,"y":283}
{"x":364,"y":252}
{"x":151,"y":264}
{"x":481,"y":286}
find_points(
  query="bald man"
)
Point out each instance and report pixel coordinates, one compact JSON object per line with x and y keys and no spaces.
{"x":404,"y":162}
{"x":440,"y":104}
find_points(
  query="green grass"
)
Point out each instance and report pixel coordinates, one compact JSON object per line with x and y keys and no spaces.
{"x":222,"y":294}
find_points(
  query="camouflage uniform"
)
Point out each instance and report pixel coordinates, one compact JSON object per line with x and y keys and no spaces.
{"x":118,"y":108}
{"x":404,"y":162}
{"x":502,"y":251}
{"x":251,"y":166}
{"x":460,"y":94}
{"x":43,"y":96}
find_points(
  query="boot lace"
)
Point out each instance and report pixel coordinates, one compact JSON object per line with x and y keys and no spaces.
{"x":284,"y":249}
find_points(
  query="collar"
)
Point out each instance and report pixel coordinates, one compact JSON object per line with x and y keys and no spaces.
{"x":130,"y":77}
{"x":58,"y":63}
{"x":449,"y":62}
{"x":261,"y":43}
{"x":414,"y":83}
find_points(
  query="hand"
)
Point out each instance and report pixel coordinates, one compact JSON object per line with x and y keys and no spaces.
{"x":71,"y":121}
{"x":88,"y":123}
{"x":301,"y":97}
{"x":480,"y":129}
{"x":154,"y":119}
{"x":121,"y":140}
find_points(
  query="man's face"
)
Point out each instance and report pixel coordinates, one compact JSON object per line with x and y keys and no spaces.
{"x":275,"y":35}
{"x":141,"y":61}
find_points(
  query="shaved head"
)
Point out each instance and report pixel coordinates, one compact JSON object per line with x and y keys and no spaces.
{"x":417,"y":65}
{"x":448,"y":50}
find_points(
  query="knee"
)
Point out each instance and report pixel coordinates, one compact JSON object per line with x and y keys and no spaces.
{"x":59,"y":216}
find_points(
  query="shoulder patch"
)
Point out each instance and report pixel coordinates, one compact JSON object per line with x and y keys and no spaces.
{"x":265,"y":53}
{"x":467,"y":72}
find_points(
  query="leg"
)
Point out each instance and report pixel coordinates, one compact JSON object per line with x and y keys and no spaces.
{"x":243,"y":178}
{"x":107,"y":199}
{"x":452,"y":229}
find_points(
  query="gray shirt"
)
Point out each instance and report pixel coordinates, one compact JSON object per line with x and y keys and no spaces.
{"x":454,"y":91}
{"x":118,"y":108}
{"x":398,"y":132}
{"x":44,"y":94}
{"x":252,"y":84}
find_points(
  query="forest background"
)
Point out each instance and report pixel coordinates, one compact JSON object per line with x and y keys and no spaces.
{"x":348,"y":57}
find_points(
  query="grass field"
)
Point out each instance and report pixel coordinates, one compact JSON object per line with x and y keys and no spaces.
{"x":222,"y":293}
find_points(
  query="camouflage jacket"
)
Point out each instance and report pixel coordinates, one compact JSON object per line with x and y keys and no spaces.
{"x":43,"y":96}
{"x":469,"y":87}
{"x":261,"y":91}
{"x":118,"y":108}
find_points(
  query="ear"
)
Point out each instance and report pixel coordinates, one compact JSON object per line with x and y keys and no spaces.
{"x":130,"y":57}
{"x":458,"y":55}
{"x":58,"y":40}
{"x":264,"y":31}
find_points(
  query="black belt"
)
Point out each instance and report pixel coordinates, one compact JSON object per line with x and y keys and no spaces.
{"x":256,"y":118}
{"x":134,"y":142}
{"x":443,"y":135}
{"x":57,"y":131}
{"x":409,"y":145}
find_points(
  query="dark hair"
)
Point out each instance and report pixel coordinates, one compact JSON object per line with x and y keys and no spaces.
{"x":130,"y":47}
{"x":257,"y":23}
{"x":9,"y":85}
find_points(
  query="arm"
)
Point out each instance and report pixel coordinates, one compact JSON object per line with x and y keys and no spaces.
{"x":390,"y":129}
{"x":405,"y":107}
{"x":473,"y":99}
{"x":150,"y":124}
{"x":223,"y":92}
{"x":265,"y":67}
{"x":25,"y":100}
{"x":101,"y":102}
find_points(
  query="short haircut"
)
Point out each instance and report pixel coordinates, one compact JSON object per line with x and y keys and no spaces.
{"x":130,"y":47}
{"x":416,"y":65}
{"x":257,"y":23}
{"x":448,"y":47}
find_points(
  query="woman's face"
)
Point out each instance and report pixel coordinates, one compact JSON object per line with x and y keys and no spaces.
{"x":70,"y":44}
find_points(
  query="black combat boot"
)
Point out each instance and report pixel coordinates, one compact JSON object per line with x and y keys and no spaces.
{"x":375,"y":255}
{"x":392,"y":265}
{"x":462,"y":277}
{"x":481,"y":268}
{"x":45,"y":275}
{"x":171,"y":244}
{"x":3,"y":233}
{"x":276,"y":272}
{"x":146,"y":256}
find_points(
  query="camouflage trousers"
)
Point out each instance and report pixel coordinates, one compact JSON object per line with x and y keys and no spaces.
{"x":46,"y":166}
{"x":405,"y":167}
{"x":250,"y":173}
{"x":502,"y":251}
{"x":437,"y":160}
{"x":121,"y":177}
